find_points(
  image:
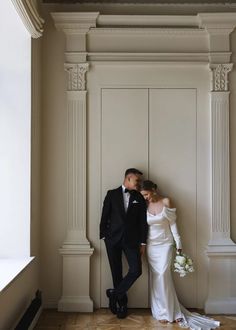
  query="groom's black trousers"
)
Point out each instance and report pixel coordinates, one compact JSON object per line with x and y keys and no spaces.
{"x":133,"y":257}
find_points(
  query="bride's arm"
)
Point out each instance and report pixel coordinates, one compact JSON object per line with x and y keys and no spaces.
{"x":170,"y":213}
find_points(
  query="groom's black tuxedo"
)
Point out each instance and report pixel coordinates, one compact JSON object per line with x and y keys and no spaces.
{"x":117,"y":224}
{"x":124,"y":231}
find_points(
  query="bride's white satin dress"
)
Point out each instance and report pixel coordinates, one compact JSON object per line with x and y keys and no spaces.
{"x":163,"y":232}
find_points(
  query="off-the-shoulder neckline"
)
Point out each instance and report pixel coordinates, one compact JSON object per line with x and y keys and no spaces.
{"x":172,"y":209}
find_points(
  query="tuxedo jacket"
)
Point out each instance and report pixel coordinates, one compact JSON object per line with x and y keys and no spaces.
{"x":117,"y":224}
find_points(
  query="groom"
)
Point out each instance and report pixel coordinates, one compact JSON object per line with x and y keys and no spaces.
{"x":124,"y":229}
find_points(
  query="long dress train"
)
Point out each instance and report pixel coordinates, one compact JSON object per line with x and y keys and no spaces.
{"x":164,"y":302}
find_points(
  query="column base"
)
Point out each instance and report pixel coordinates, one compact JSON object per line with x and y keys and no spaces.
{"x":221,"y":306}
{"x":76,"y":279}
{"x":75,"y":304}
{"x":222,"y":286}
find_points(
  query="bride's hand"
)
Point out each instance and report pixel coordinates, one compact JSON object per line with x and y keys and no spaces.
{"x":142,"y":250}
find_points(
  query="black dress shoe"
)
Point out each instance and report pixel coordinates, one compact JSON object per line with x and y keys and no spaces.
{"x":112,"y":300}
{"x":122,"y":312}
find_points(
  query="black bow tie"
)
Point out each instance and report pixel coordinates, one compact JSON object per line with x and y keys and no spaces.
{"x":128,"y":191}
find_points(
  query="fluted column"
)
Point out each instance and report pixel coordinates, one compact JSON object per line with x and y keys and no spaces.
{"x":76,"y":250}
{"x":76,"y":112}
{"x":221,"y":249}
{"x":220,"y":155}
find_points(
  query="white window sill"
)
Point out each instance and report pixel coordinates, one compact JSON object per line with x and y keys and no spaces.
{"x":10,"y":268}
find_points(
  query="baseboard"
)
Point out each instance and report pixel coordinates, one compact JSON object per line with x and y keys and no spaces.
{"x":221,"y":306}
{"x":50,"y":304}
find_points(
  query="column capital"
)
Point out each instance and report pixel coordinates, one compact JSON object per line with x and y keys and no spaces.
{"x":76,"y":76}
{"x":220,"y":76}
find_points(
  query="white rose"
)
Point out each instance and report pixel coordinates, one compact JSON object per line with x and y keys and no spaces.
{"x":177,"y":265}
{"x":181,"y":260}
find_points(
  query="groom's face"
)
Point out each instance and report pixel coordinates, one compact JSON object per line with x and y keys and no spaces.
{"x":133,"y":181}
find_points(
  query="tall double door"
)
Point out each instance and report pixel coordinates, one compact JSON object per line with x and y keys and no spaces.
{"x":154,"y":130}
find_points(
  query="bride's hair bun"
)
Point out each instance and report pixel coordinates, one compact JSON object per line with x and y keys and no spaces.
{"x":148,"y":185}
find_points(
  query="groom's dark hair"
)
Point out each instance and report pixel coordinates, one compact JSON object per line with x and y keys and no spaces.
{"x":133,"y":171}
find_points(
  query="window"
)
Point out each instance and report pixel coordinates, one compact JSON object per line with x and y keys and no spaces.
{"x":15,"y":116}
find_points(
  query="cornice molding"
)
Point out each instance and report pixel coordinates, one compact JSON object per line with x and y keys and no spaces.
{"x":90,"y":20}
{"x":211,"y":30}
{"x":28,"y":12}
{"x":217,"y":21}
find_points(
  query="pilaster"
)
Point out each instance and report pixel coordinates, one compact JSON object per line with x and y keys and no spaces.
{"x":221,"y":249}
{"x":220,"y":155}
{"x":76,"y":250}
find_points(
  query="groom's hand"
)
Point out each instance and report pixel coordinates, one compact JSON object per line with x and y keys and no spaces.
{"x":142,"y":249}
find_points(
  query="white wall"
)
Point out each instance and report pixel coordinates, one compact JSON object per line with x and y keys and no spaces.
{"x":15,"y":299}
{"x":54,"y":162}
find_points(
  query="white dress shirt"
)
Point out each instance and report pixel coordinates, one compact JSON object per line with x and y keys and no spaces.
{"x":126,"y":197}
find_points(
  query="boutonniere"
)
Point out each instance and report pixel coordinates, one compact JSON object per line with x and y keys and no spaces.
{"x":135,"y":202}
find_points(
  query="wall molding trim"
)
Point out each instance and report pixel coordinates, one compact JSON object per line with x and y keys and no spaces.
{"x":29,"y":14}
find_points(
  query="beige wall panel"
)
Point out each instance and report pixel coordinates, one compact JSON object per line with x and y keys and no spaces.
{"x":116,"y":77}
{"x":152,"y":76}
{"x":151,"y":42}
{"x":172,"y":164}
{"x":124,"y":143}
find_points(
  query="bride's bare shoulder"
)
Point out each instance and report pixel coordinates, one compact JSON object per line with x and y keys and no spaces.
{"x":167,"y":202}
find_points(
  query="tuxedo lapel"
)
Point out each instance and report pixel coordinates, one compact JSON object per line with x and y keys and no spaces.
{"x":131,"y":199}
{"x":121,"y":200}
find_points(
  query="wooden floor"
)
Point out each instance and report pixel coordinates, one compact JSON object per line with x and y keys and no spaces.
{"x":102,"y":319}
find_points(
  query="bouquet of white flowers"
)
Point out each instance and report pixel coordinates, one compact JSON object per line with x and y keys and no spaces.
{"x":183,"y":264}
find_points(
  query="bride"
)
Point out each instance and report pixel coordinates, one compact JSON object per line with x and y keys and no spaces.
{"x":163,"y":231}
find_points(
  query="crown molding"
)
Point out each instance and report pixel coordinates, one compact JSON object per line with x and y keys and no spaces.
{"x":29,"y":14}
